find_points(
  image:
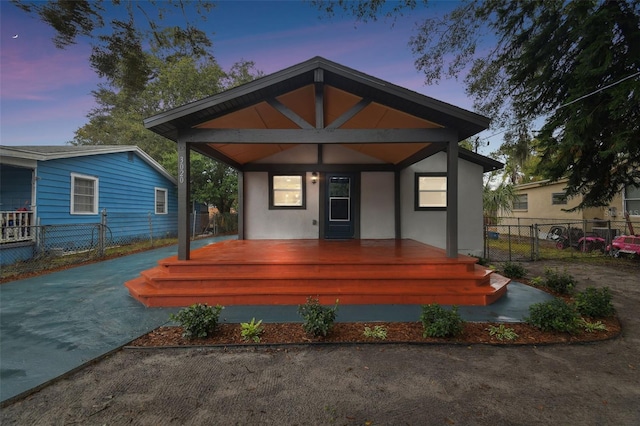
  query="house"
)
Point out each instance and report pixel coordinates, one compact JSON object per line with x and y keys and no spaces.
{"x":53,"y":198}
{"x":545,"y":202}
{"x":341,"y":174}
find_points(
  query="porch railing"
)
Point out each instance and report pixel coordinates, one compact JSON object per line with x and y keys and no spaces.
{"x":16,"y":226}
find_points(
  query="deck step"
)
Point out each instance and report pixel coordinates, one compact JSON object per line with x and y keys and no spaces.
{"x":218,"y":275}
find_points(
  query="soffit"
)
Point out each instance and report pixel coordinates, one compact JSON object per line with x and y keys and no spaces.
{"x":302,"y":101}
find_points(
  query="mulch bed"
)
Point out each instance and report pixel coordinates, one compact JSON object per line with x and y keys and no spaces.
{"x":397,"y":332}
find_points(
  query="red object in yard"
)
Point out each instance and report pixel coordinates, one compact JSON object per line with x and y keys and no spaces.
{"x":625,"y":245}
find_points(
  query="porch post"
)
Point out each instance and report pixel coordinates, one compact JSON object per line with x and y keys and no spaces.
{"x":184,"y":173}
{"x":452,"y":198}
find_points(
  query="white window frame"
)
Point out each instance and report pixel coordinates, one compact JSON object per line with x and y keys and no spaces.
{"x":626,"y":199}
{"x":96,"y":194}
{"x":165,"y":201}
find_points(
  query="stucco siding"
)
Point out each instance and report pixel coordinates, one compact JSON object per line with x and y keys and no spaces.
{"x":263,"y":223}
{"x":429,"y":227}
{"x":540,"y":204}
{"x":377,"y":213}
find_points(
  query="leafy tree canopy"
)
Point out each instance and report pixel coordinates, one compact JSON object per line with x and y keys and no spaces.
{"x":119,"y":30}
{"x":573,"y":64}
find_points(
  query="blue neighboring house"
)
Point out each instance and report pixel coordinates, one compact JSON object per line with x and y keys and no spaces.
{"x":54,"y":188}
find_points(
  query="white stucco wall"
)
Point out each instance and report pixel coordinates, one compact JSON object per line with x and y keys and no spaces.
{"x":429,"y":227}
{"x":262,"y":223}
{"x":377,"y":215}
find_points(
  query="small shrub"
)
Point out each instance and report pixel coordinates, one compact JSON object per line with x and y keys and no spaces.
{"x":502,"y":333}
{"x":251,"y":330}
{"x":562,"y":283}
{"x":595,"y":303}
{"x":537,"y":281}
{"x":377,"y":332}
{"x":438,"y":322}
{"x":555,"y":315}
{"x":481,"y":260}
{"x":514,"y":270}
{"x":318,"y":319}
{"x":591,"y":327}
{"x":197,"y":320}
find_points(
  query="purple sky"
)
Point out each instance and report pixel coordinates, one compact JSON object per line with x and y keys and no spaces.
{"x":46,"y":92}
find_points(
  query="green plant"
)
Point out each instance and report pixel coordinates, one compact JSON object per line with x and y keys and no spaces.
{"x":514,"y":270}
{"x":502,"y":333}
{"x":562,"y":283}
{"x":318,"y":319}
{"x":251,"y":330}
{"x":377,"y":332}
{"x":595,"y":303}
{"x":197,"y":320}
{"x":591,"y":327}
{"x":438,"y":322}
{"x":537,"y":281}
{"x":555,"y":315}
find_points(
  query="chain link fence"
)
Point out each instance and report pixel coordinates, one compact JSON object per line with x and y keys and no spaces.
{"x":527,"y":239}
{"x":52,"y":246}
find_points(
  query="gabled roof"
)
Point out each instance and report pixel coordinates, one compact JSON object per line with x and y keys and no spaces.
{"x":284,"y":103}
{"x":54,"y":152}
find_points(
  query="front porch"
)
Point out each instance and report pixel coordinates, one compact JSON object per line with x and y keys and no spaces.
{"x":286,"y":272}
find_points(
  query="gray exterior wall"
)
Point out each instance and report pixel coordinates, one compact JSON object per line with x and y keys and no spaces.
{"x":429,"y":227}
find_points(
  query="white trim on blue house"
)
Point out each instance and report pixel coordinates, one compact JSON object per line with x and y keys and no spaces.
{"x":95,"y":195}
{"x":23,"y":155}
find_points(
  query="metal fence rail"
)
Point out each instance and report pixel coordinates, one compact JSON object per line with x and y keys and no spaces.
{"x":51,"y":246}
{"x":524,"y":239}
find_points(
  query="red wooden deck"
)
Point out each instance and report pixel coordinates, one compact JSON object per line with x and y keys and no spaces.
{"x":286,"y":272}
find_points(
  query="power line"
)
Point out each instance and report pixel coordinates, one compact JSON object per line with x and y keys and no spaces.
{"x":578,"y":99}
{"x":599,"y":90}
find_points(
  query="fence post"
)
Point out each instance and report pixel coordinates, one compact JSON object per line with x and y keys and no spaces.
{"x":536,"y":242}
{"x":509,"y":239}
{"x":102,"y":234}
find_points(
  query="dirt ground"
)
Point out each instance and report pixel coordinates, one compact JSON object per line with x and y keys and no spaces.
{"x":363,"y":384}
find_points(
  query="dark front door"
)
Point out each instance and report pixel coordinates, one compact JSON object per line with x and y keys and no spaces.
{"x":340,"y":203}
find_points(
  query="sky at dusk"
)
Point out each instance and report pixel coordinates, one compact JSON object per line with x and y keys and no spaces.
{"x":46,"y":92}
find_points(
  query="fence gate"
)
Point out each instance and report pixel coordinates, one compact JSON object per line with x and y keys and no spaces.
{"x":510,"y":243}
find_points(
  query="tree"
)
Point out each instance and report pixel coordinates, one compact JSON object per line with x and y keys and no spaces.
{"x":118,"y":117}
{"x":575,"y":65}
{"x":498,"y":199}
{"x":212,"y":182}
{"x":118,"y":120}
{"x":119,"y":30}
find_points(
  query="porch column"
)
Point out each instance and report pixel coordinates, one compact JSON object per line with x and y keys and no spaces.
{"x":184,"y":207}
{"x":452,"y":198}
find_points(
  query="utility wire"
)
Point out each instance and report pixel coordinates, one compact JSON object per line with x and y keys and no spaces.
{"x":599,"y":90}
{"x":579,"y":99}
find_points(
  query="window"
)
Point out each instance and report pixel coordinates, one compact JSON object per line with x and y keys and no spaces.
{"x":287,"y":191}
{"x":558,"y":198}
{"x":521,"y":202}
{"x":431,"y":191}
{"x":161,"y":201}
{"x":84,"y":194}
{"x":632,"y":200}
